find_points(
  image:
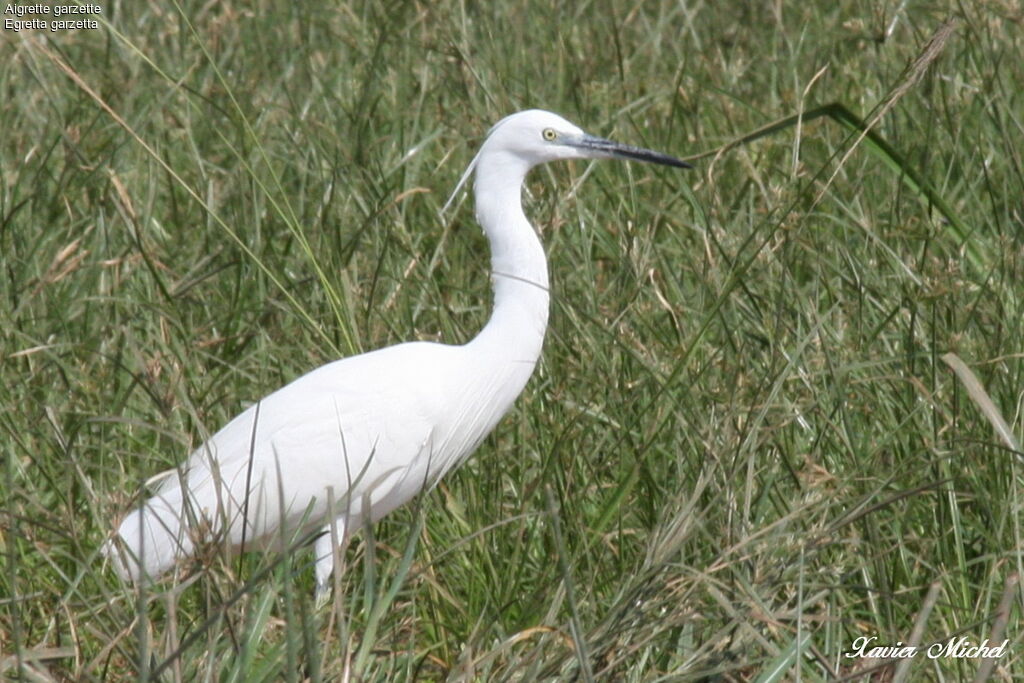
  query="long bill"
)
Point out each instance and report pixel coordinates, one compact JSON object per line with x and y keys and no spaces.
{"x":602,"y":148}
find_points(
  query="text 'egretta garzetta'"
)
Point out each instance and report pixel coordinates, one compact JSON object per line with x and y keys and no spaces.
{"x":351,"y":441}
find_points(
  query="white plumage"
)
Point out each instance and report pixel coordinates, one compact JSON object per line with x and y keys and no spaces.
{"x":364,"y":435}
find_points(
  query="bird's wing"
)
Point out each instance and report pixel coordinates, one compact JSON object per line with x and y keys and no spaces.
{"x":344,"y":435}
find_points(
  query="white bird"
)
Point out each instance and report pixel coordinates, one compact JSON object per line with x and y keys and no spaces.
{"x":351,"y":441}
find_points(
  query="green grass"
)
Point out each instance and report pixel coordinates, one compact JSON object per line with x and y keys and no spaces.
{"x":742,"y":449}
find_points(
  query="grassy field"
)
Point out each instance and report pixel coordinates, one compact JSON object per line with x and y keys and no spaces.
{"x":778,"y":403}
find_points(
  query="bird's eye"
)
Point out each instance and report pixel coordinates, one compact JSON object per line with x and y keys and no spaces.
{"x":549,"y":134}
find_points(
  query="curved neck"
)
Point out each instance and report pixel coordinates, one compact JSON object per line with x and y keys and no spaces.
{"x":519,"y":267}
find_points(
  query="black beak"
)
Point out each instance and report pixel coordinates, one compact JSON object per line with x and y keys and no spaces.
{"x":602,"y":148}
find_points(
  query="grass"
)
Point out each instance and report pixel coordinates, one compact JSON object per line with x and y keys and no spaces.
{"x":747,"y":444}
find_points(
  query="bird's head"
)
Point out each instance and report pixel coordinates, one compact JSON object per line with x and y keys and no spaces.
{"x":538,"y":136}
{"x":525,"y":139}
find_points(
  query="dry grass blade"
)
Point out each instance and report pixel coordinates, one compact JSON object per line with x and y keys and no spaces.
{"x":903,"y":668}
{"x":999,"y":627}
{"x":981,"y":399}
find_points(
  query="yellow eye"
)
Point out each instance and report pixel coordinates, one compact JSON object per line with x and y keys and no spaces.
{"x":549,"y":134}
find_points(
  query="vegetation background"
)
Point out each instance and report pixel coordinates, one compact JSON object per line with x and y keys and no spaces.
{"x":767,"y":420}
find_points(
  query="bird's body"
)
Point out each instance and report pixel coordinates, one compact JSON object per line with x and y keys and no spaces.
{"x":354,"y":439}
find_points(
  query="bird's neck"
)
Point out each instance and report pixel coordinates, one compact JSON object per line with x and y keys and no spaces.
{"x":518,"y":265}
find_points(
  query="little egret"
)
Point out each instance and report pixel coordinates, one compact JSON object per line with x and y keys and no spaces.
{"x":351,"y":441}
